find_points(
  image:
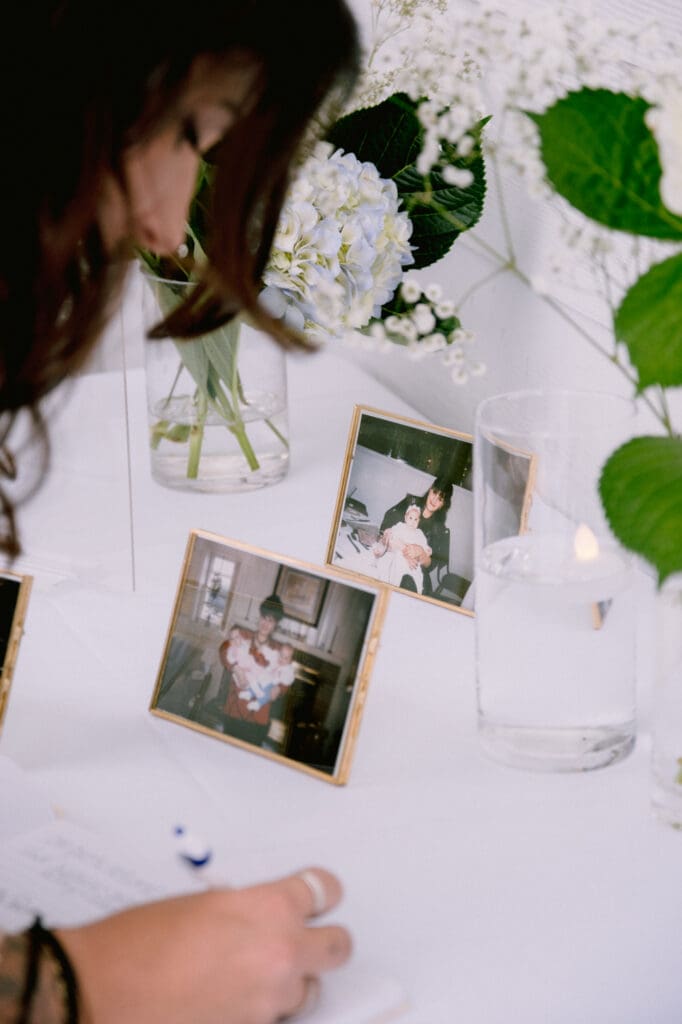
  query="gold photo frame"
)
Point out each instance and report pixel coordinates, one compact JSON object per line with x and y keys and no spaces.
{"x":15,"y":590}
{"x":392,"y":464}
{"x":239,"y":666}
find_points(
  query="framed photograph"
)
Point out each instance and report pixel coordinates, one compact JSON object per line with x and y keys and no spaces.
{"x":270,"y":654}
{"x":404,"y":512}
{"x":302,"y":594}
{"x":14,"y":594}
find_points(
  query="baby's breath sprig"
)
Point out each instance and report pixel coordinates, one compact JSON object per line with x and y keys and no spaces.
{"x":424,"y":322}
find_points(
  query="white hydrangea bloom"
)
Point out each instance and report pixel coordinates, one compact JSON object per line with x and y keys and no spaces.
{"x":341,"y":243}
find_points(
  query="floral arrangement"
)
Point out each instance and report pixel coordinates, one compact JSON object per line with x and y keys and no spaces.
{"x":589,"y":114}
{"x":340,"y":247}
{"x":361,"y":211}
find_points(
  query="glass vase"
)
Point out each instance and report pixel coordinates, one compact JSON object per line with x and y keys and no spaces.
{"x":666,"y":717}
{"x":216,"y":405}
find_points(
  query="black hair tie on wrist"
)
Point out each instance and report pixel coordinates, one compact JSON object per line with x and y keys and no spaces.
{"x":42,"y":938}
{"x":31,"y":976}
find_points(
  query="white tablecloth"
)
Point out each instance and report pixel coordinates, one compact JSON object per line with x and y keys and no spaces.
{"x":494,"y":895}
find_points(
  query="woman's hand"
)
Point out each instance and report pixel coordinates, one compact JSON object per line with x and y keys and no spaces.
{"x":246,"y":956}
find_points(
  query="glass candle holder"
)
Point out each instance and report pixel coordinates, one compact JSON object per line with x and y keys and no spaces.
{"x":555,"y":608}
{"x":666,"y":718}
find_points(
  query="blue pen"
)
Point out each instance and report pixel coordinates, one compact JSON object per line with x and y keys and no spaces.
{"x":196,"y":854}
{"x":191,"y":848}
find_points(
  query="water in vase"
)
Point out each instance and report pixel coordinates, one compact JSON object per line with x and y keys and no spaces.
{"x":555,"y":655}
{"x":252,"y":455}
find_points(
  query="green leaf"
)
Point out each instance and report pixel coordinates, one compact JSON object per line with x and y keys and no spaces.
{"x":388,"y":135}
{"x":440,"y":212}
{"x":649,"y":321}
{"x":641,"y":491}
{"x":194,"y":357}
{"x":600,"y":155}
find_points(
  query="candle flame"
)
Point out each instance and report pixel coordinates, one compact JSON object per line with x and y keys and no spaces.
{"x":585,"y":544}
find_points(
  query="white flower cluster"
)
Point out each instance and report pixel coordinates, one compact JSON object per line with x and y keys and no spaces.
{"x":505,"y":59}
{"x":426,"y":325}
{"x":490,"y":58}
{"x":340,"y":247}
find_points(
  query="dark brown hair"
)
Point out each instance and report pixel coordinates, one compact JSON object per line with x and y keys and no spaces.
{"x":443,"y":488}
{"x":82,"y":82}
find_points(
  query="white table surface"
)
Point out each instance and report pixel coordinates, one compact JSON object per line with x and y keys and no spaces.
{"x":494,"y":895}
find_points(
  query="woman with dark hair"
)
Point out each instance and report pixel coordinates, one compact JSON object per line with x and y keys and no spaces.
{"x":109,"y":110}
{"x":434,"y":505}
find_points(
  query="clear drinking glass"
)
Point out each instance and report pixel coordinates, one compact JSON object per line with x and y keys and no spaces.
{"x":666,"y":738}
{"x":555,"y":609}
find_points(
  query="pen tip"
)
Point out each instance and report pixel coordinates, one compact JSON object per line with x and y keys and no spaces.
{"x":193,"y":850}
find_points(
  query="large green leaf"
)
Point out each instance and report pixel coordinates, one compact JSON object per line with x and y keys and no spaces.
{"x":389,"y":135}
{"x":649,"y":321}
{"x":600,"y":155}
{"x":641,"y":490}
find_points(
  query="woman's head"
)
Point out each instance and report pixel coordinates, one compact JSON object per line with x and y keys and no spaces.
{"x":148,"y":203}
{"x":119,"y":103}
{"x":271,"y":611}
{"x":437,"y":499}
{"x":108,"y":109}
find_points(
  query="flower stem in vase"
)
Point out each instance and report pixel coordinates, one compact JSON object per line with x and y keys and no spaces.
{"x":196,"y":437}
{"x":217,"y":407}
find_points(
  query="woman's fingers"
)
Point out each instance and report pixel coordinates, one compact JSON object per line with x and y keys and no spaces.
{"x":306,"y":999}
{"x":320,"y":949}
{"x":323,"y":948}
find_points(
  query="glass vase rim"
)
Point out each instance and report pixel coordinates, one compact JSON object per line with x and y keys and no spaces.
{"x":514,"y":400}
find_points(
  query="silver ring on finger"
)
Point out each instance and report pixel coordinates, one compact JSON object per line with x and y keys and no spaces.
{"x":317,"y":891}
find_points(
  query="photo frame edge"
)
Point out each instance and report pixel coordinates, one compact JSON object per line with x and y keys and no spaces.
{"x":345,"y":473}
{"x":383,"y":599}
{"x":189,"y":547}
{"x":233,"y":741}
{"x":14,"y":640}
{"x":330,"y":573}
